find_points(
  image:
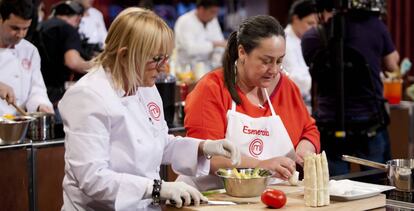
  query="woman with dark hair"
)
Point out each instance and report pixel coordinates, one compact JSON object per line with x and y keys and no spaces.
{"x":252,"y":103}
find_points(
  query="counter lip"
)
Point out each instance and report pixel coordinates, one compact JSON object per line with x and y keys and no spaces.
{"x":29,"y":143}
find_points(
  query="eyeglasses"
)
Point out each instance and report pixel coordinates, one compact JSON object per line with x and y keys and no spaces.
{"x":159,"y":61}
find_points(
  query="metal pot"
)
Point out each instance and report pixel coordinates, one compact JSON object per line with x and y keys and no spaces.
{"x":43,"y":127}
{"x":400,"y":171}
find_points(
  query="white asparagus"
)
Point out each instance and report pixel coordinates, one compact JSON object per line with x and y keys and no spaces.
{"x":311,"y":194}
{"x":316,"y":180}
{"x":319,"y":180}
{"x":307,"y":180}
{"x":325,"y":171}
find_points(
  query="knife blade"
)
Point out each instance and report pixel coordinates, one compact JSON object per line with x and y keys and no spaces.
{"x":215,"y":203}
{"x":227,"y":203}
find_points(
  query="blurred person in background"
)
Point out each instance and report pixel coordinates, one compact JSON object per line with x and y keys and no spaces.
{"x":368,"y":49}
{"x":302,"y":16}
{"x":20,"y":76}
{"x":116,"y":137}
{"x":253,"y":103}
{"x":198,"y":36}
{"x":92,"y":28}
{"x":59,"y":45}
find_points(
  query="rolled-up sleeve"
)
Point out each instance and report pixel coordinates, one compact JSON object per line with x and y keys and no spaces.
{"x":87,"y":144}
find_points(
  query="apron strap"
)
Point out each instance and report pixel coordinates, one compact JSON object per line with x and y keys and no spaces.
{"x":233,"y":105}
{"x":270,"y":103}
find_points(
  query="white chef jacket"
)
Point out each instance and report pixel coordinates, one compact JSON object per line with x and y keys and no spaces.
{"x":193,"y":41}
{"x":93,"y":26}
{"x":20,"y":69}
{"x":294,"y":63}
{"x":115,"y":145}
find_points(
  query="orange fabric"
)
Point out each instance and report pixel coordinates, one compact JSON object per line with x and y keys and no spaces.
{"x":207,"y":105}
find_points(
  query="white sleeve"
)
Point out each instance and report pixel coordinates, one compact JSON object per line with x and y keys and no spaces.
{"x":87,"y":152}
{"x":38,"y":92}
{"x":216,"y":30}
{"x":102,"y":32}
{"x":185,"y":35}
{"x":182,"y":154}
{"x":298,"y":73}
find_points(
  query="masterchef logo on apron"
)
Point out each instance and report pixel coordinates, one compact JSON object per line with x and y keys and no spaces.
{"x":256,"y":147}
{"x":154,"y":111}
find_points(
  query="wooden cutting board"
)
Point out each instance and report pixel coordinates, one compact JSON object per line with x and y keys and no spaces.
{"x":295,"y":202}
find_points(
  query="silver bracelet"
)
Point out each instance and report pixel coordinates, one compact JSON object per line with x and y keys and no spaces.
{"x":156,"y":188}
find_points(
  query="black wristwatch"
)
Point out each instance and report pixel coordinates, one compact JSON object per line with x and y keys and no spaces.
{"x":156,"y":188}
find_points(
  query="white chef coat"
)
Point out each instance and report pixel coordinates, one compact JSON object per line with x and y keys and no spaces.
{"x":193,"y":41}
{"x":115,"y":145}
{"x":294,"y":63}
{"x":93,"y":26}
{"x":20,"y":69}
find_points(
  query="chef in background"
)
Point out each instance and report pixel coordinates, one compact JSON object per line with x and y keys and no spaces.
{"x":302,"y":16}
{"x":116,"y":135}
{"x":59,"y":45}
{"x":198,"y":36}
{"x":20,"y":61}
{"x":252,"y":103}
{"x":92,"y":26}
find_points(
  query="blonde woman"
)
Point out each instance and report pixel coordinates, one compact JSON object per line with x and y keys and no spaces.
{"x":116,"y":136}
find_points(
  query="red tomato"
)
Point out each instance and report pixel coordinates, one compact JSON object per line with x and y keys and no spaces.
{"x":274,"y":198}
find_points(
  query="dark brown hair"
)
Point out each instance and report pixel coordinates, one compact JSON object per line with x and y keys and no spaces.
{"x":21,"y":8}
{"x":251,"y":31}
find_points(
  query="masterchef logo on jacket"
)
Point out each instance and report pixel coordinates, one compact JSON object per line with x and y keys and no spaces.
{"x":249,"y":131}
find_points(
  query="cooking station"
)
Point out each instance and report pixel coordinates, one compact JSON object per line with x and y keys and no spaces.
{"x":34,"y":175}
{"x":395,"y":200}
{"x":36,"y":172}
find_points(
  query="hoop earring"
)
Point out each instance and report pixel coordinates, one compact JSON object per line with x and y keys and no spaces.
{"x":235,"y":71}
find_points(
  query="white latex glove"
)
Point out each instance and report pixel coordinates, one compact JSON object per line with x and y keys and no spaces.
{"x":176,"y":191}
{"x":224,"y":148}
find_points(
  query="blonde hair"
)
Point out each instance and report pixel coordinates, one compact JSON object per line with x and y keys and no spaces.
{"x":145,"y":35}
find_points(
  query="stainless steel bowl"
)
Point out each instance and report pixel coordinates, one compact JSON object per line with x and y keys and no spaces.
{"x":251,"y":187}
{"x":14,"y":131}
